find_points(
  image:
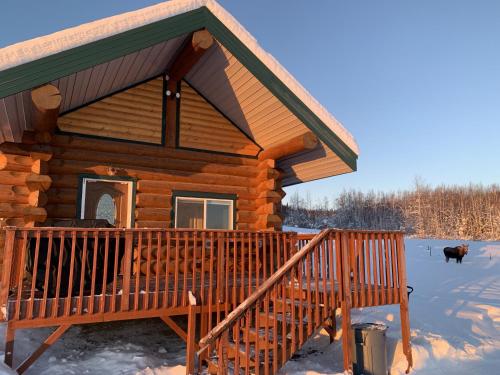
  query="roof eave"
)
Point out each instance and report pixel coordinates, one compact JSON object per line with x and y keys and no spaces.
{"x":49,"y":68}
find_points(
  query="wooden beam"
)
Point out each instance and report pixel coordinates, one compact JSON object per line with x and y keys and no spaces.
{"x":46,"y":102}
{"x":46,"y":344}
{"x":200,"y":42}
{"x":303,"y":142}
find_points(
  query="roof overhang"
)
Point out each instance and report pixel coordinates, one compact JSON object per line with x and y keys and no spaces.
{"x":124,"y":42}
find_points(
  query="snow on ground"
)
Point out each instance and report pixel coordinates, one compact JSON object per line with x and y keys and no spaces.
{"x":454,"y":314}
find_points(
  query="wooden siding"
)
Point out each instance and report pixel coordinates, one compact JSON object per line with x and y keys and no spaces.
{"x":201,"y":126}
{"x":134,"y":114}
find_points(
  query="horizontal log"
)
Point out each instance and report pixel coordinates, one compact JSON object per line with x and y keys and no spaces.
{"x":38,"y":182}
{"x":267,"y":208}
{"x":152,"y":224}
{"x":303,"y":142}
{"x":61,"y":211}
{"x":73,"y":143}
{"x":62,"y":196}
{"x":13,"y":178}
{"x":269,"y":194}
{"x":268,"y":174}
{"x":246,"y":217}
{"x":267,"y":185}
{"x":154,"y":186}
{"x":171,"y":163}
{"x":64,"y":167}
{"x":9,"y":211}
{"x":155,"y":214}
{"x":154,"y":200}
{"x":12,"y":162}
{"x":14,"y":194}
{"x":28,"y":148}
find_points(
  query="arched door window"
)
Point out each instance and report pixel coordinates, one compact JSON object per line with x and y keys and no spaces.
{"x":106,"y":209}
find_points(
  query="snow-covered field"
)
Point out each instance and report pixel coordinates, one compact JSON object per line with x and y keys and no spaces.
{"x":454,"y":312}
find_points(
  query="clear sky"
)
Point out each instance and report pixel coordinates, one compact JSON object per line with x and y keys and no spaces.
{"x":416,"y":82}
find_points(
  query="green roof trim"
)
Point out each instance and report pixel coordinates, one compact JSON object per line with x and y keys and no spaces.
{"x":49,"y":68}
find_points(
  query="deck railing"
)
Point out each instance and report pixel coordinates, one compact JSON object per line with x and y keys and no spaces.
{"x":76,"y":273}
{"x":334,"y":269}
{"x":259,"y":295}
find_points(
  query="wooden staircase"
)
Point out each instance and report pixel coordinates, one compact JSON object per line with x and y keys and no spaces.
{"x":263,"y":332}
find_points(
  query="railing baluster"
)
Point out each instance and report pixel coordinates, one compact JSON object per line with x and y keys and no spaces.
{"x":93,"y":276}
{"x":301,"y":304}
{"x":137,"y":289}
{"x":308,"y":292}
{"x":266,"y":333}
{"x":166,"y":292}
{"x":316,"y":286}
{"x":185,"y":268}
{"x":43,"y":307}
{"x":127,"y":270}
{"x":355,"y":267}
{"x":176,"y":269}
{"x":331,"y":263}
{"x":102,"y":304}
{"x":395,"y":298}
{"x":82,"y":273}
{"x":226,"y":274}
{"x":218,"y":275}
{"x":29,"y":314}
{"x":115,"y":272}
{"x":55,"y":304}
{"x":211,"y":281}
{"x":375,"y":271}
{"x":158,"y":268}
{"x":381,"y":268}
{"x":388,"y":282}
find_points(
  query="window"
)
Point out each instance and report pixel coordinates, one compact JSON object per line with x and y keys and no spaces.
{"x":203,"y":213}
{"x":108,"y":199}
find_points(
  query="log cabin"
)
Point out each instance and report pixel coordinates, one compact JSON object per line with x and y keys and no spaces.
{"x":142,"y":164}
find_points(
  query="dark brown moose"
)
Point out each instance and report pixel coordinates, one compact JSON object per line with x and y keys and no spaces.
{"x":457,"y":252}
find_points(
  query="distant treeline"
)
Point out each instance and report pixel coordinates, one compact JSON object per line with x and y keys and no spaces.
{"x":453,"y":212}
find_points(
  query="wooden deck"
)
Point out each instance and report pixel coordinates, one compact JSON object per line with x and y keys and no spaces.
{"x":65,"y":276}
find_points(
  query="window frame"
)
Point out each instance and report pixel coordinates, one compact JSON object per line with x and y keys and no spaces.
{"x":204,"y":197}
{"x":132,"y":186}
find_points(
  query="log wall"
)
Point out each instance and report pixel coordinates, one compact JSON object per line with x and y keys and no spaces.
{"x":39,"y":178}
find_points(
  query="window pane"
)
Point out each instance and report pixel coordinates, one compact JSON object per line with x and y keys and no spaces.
{"x":219,"y":214}
{"x":106,"y":209}
{"x":189,"y":214}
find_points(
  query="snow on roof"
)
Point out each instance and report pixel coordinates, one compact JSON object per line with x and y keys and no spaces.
{"x":40,"y":47}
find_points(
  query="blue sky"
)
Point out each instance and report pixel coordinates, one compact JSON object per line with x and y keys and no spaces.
{"x":416,"y":82}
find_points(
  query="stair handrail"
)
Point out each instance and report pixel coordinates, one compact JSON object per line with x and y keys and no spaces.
{"x":247,"y":304}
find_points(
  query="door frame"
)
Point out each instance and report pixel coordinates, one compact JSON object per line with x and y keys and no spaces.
{"x":130,"y":181}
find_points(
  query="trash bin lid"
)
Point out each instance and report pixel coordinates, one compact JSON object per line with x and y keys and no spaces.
{"x":369,"y":327}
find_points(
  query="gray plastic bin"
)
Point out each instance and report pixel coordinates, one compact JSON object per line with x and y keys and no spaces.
{"x":369,"y":349}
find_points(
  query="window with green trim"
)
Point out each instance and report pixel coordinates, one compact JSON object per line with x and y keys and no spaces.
{"x":203,"y":213}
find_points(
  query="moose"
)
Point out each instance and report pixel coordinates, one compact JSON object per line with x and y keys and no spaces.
{"x":457,"y":252}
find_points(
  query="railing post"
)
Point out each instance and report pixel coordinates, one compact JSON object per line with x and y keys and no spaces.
{"x":191,"y":331}
{"x":346,"y":301}
{"x":127,"y":269}
{"x":403,"y":301}
{"x":10,"y":235}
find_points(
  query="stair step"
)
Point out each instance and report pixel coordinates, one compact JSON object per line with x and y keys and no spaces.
{"x":243,"y":357}
{"x":279,"y":319}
